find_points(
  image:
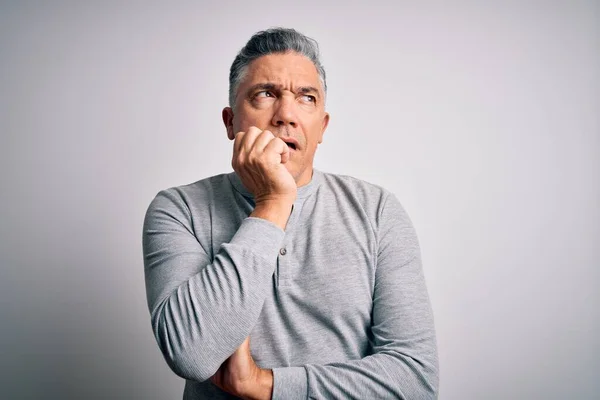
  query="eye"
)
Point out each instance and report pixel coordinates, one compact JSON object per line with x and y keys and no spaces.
{"x":263,"y":93}
{"x":309,"y":98}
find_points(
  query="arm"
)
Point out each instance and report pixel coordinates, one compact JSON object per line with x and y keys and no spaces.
{"x":203,"y":309}
{"x":404,"y":362}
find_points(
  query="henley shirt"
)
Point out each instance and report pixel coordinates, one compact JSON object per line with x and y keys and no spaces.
{"x":336,"y":305}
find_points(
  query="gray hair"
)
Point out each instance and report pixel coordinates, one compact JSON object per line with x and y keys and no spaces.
{"x":274,"y":40}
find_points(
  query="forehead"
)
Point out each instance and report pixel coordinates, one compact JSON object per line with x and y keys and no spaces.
{"x":282,"y":68}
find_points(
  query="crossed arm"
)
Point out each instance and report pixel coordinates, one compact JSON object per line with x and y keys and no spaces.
{"x":203,"y":308}
{"x":203,"y":311}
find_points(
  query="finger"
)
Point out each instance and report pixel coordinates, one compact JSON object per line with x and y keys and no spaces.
{"x":237,"y":144}
{"x":262,"y":141}
{"x":285,"y":156}
{"x":247,"y":342}
{"x":254,"y":128}
{"x":249,"y":138}
{"x":278,"y":147}
{"x":243,"y":352}
{"x":244,"y":347}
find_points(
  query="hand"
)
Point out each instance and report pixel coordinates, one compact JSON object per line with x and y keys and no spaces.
{"x":240,"y":376}
{"x":258,"y":159}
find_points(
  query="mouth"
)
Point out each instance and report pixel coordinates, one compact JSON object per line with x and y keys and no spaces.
{"x":291,"y":143}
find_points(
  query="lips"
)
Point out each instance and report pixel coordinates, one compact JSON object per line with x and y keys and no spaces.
{"x":291,"y":142}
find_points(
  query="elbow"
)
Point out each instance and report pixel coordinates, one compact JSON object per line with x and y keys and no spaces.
{"x":414,"y":375}
{"x":424,"y":381}
{"x":427,"y":388}
{"x":187,"y":367}
{"x":182,"y":349}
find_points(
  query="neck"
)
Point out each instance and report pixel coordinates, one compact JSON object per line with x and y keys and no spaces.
{"x":305,"y":177}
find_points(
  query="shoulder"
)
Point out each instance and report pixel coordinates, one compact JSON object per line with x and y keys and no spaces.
{"x":187,"y":199}
{"x":379,"y":203}
{"x":199,"y":190}
{"x":353,"y":185}
{"x":368,"y":194}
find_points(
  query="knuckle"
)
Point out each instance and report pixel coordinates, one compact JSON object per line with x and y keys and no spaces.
{"x":238,"y":160}
{"x":276,"y":142}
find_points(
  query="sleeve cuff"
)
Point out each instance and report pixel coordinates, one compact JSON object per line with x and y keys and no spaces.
{"x":260,"y":235}
{"x":290,"y":383}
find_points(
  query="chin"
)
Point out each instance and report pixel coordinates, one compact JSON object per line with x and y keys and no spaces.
{"x":299,"y":175}
{"x":293,"y":171}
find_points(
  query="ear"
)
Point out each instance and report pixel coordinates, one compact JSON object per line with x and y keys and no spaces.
{"x":227,"y":116}
{"x":325,"y":123}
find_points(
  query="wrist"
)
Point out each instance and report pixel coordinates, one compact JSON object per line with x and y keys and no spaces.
{"x":265,"y":384}
{"x":276,"y":211}
{"x":262,"y":389}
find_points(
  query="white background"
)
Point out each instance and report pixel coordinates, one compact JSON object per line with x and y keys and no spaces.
{"x":482,"y":117}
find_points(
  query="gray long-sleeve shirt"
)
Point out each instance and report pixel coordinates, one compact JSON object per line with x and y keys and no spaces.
{"x":336,"y":304}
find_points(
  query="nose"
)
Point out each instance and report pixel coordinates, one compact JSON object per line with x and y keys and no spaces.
{"x":285,"y":112}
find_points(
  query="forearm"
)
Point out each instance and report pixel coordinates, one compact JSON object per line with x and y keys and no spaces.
{"x":385,"y":375}
{"x":404,"y":363}
{"x":203,"y":319}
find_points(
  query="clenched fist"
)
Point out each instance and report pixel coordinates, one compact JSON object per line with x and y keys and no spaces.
{"x":258,"y":159}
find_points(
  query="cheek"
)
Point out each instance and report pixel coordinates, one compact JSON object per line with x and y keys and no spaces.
{"x":313,"y":134}
{"x":253,"y":118}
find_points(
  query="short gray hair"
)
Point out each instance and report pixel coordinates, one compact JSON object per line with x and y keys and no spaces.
{"x":274,"y":40}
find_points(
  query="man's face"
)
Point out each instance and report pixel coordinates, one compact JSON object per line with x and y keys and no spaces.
{"x":282,"y":93}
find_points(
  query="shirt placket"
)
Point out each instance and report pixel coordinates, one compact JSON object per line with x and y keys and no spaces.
{"x":286,"y":259}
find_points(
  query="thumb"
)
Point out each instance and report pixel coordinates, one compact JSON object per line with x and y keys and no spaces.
{"x":285,"y":155}
{"x":243,"y":349}
{"x":245,"y":345}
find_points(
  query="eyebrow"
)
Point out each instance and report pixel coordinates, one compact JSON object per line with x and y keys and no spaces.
{"x":308,"y":89}
{"x":263,"y":86}
{"x":272,"y":86}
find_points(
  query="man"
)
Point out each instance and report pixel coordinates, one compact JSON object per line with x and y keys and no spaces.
{"x":278,"y":280}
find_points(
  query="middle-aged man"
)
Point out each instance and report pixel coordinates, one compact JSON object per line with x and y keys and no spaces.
{"x":278,"y":280}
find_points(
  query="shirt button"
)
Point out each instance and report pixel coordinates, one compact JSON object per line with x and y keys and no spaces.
{"x":283,"y":251}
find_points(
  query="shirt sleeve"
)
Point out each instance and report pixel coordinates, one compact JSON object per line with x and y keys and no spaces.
{"x":404,"y":362}
{"x":202,"y":309}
